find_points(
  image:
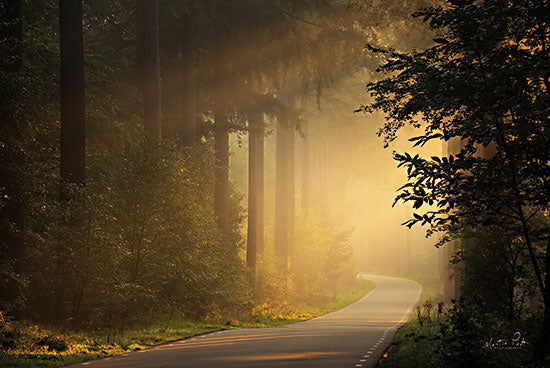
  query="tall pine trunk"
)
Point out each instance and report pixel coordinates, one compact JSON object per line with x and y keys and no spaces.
{"x":291,"y":184}
{"x":221,"y":152}
{"x":73,"y":114}
{"x":73,"y":135}
{"x":11,"y":231}
{"x":306,"y":169}
{"x":284,"y":192}
{"x":543,"y":345}
{"x":188,"y":81}
{"x":221,"y":135}
{"x":149,"y":66}
{"x":260,"y":189}
{"x":11,"y":32}
{"x":255,"y":192}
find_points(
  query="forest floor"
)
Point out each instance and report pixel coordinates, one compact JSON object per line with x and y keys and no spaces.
{"x":38,"y":346}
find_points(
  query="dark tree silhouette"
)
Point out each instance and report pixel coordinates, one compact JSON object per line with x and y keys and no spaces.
{"x":11,"y":226}
{"x":284,"y":190}
{"x":255,"y":190}
{"x":149,"y":66}
{"x":73,"y":114}
{"x":188,"y":79}
{"x":484,"y":82}
{"x":221,"y":134}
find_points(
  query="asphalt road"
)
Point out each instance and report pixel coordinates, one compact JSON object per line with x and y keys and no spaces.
{"x":355,"y":336}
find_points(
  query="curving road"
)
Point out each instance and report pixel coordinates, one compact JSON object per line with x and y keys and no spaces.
{"x":355,"y":336}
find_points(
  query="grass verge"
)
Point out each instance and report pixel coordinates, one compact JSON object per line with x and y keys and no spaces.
{"x":461,"y":336}
{"x":414,"y":343}
{"x":38,"y":346}
{"x":411,"y":346}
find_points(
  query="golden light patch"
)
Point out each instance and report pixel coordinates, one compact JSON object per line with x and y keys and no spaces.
{"x":284,"y":356}
{"x":234,"y":340}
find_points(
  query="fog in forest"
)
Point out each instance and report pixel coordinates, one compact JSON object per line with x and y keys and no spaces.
{"x":171,"y":168}
{"x":344,"y":171}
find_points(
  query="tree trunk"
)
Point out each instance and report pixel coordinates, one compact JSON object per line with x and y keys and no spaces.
{"x":306,"y":169}
{"x":221,"y":136}
{"x":12,"y":34}
{"x":511,"y":288}
{"x":260,"y":192}
{"x":255,"y":192}
{"x":11,"y":233}
{"x":188,"y":80}
{"x":73,"y":115}
{"x":542,"y":348}
{"x":283,"y":179}
{"x":221,"y":190}
{"x":149,"y":66}
{"x":291,"y":184}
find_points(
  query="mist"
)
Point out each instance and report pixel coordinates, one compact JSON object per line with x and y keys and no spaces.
{"x":344,"y":172}
{"x":169,"y":169}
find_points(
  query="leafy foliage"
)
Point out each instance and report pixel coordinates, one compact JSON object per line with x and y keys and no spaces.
{"x":482,"y":87}
{"x":483,"y":82}
{"x":510,"y":286}
{"x":320,"y":267}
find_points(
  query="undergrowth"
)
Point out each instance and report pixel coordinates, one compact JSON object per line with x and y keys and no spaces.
{"x":31,"y":345}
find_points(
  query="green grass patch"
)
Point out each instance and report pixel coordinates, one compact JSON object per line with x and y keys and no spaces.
{"x":412,"y":346}
{"x":39,"y":346}
{"x":43,"y":347}
{"x":267,"y":316}
{"x":457,"y":339}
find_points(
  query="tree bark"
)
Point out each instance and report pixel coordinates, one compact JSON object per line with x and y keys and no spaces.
{"x":12,"y":34}
{"x":291,"y":184}
{"x":542,"y":348}
{"x":306,"y":169}
{"x":188,"y":81}
{"x":149,"y":66}
{"x":11,"y":233}
{"x":73,"y":114}
{"x":283,"y":192}
{"x":260,"y":192}
{"x":255,"y":192}
{"x":221,"y":190}
{"x":449,"y":281}
{"x":221,"y":135}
